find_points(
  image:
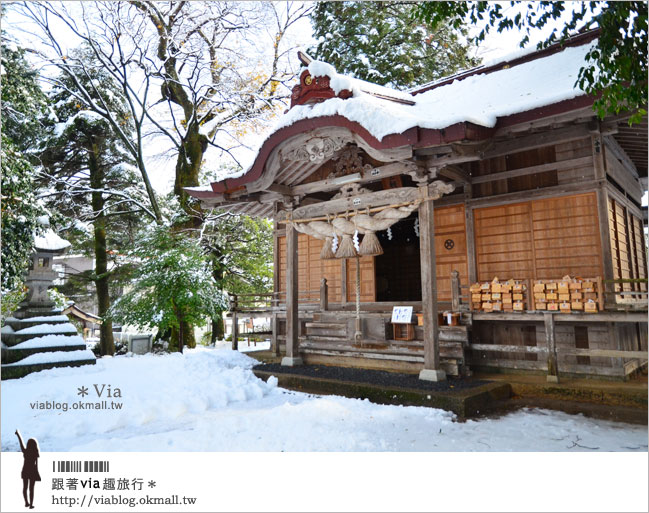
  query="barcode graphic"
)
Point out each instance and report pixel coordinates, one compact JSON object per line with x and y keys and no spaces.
{"x":79,"y":466}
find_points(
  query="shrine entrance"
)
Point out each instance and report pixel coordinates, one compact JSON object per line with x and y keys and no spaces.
{"x":398,"y":269}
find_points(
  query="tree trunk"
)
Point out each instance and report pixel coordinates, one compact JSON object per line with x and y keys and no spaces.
{"x":188,"y":166}
{"x":218,"y":329}
{"x":106,"y":341}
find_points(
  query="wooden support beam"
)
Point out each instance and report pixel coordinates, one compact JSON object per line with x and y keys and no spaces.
{"x":552,"y":166}
{"x":274,"y":341}
{"x":324,"y":295}
{"x":235,"y":331}
{"x":546,"y":192}
{"x":553,"y":369}
{"x":372,"y":175}
{"x":455,"y":173}
{"x":432,"y":370}
{"x":537,"y":140}
{"x":279,"y":188}
{"x":613,"y":147}
{"x":360,"y":202}
{"x":455,"y":291}
{"x":631,"y":317}
{"x":604,"y":232}
{"x":292,"y":357}
{"x":343,"y":280}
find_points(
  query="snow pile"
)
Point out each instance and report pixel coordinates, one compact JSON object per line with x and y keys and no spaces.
{"x":48,"y":328}
{"x":50,"y":341}
{"x":209,"y":400}
{"x":156,"y":392}
{"x":50,"y":241}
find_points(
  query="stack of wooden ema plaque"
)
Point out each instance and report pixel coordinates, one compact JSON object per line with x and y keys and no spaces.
{"x":568,"y":295}
{"x":497,"y":296}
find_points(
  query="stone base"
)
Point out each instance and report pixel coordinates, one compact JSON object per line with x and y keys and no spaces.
{"x":432,"y":375}
{"x":289,"y":361}
{"x":552,"y":379}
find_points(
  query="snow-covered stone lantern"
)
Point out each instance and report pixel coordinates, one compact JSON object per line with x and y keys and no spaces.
{"x":39,"y":336}
{"x":41,"y":275}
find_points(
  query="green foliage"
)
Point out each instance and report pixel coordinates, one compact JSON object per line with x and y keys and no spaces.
{"x":381,"y":42}
{"x":172,"y":284}
{"x":59,"y":299}
{"x":241,"y":252}
{"x":23,"y":102}
{"x":19,"y":214}
{"x":10,"y":301}
{"x":616,"y":68}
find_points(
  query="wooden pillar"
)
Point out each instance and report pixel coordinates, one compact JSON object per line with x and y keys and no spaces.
{"x":343,"y":281}
{"x":324,"y":295}
{"x":431,"y":370}
{"x":274,"y":341}
{"x":553,"y":367}
{"x":604,"y":232}
{"x":470,"y":235}
{"x":235,"y":331}
{"x":455,"y":291}
{"x":292,"y":357}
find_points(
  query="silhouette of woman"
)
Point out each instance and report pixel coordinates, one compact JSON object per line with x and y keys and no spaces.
{"x":30,"y":468}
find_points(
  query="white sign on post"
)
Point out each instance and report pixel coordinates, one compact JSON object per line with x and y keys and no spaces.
{"x":401,"y":315}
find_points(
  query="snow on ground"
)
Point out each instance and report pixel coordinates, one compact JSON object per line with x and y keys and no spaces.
{"x":209,"y":400}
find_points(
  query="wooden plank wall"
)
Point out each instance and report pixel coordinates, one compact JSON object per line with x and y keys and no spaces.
{"x":311,"y":268}
{"x":566,"y":237}
{"x":627,"y":247}
{"x":503,"y":242}
{"x":542,"y":239}
{"x":450,"y":225}
{"x":574,"y":150}
{"x":595,"y":336}
{"x":368,"y":283}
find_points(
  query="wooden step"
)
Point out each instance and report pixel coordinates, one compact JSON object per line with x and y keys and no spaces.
{"x":326,"y":325}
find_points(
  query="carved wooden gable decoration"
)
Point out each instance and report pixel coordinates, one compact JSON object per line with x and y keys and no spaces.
{"x":315,"y":90}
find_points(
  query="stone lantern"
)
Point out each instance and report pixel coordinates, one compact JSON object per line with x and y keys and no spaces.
{"x":40,"y":275}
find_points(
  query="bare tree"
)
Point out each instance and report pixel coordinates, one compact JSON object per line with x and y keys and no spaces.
{"x":195,"y":75}
{"x":198,"y":74}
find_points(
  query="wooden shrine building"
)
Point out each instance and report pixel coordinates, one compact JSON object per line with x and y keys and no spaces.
{"x":382,"y":198}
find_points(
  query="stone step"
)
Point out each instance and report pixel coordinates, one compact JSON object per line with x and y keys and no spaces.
{"x":15,"y":355}
{"x":47,"y":329}
{"x":19,"y":371}
{"x":28,"y":322}
{"x":35,"y":311}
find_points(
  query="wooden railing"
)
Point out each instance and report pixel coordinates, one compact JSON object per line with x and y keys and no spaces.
{"x":635,"y":298}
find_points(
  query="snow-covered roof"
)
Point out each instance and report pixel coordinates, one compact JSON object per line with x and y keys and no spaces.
{"x":480,"y":99}
{"x":50,"y":241}
{"x":480,"y":96}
